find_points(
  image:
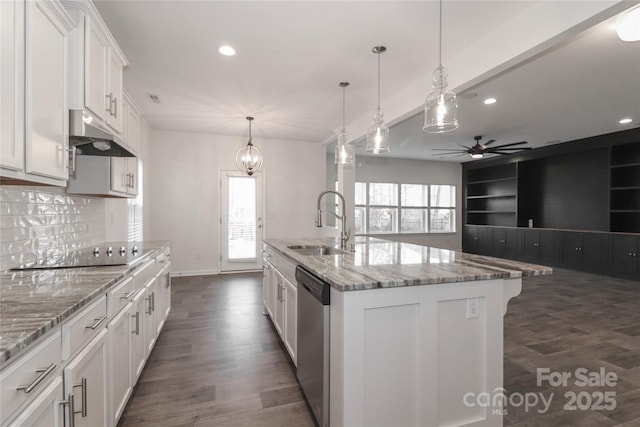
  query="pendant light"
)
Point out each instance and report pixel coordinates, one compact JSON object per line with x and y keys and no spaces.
{"x":344,"y":151}
{"x":249,"y":158}
{"x":378,"y":133}
{"x":441,"y":106}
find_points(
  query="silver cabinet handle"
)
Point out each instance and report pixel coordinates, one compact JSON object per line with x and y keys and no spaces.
{"x":137,"y":316}
{"x":73,"y":152}
{"x":43,"y":374}
{"x":109,"y":108}
{"x":127,"y":295}
{"x":167,"y":281}
{"x":97,"y":322}
{"x":72,"y":409}
{"x":115,"y":107}
{"x":149,"y":310}
{"x":83,"y":384}
{"x":153,"y":301}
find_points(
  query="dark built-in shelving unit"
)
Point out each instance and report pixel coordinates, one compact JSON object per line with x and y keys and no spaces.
{"x":492,"y":196}
{"x":625,"y":188}
{"x":582,"y":196}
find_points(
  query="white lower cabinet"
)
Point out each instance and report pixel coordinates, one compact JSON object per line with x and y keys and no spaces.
{"x":85,"y":384}
{"x":120,"y":372}
{"x":268,"y":291}
{"x":280,"y":298}
{"x":86,"y":367}
{"x":290,"y":319}
{"x":136,"y":316}
{"x":46,"y":409}
{"x":148,"y":318}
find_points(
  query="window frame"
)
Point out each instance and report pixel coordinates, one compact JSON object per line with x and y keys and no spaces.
{"x":426,"y":208}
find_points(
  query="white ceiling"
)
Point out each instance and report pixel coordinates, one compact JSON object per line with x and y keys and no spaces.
{"x":291,"y":56}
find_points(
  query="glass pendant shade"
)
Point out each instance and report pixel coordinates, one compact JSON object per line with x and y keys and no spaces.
{"x":378,"y":135}
{"x":249,"y":158}
{"x":344,"y":151}
{"x":441,"y":106}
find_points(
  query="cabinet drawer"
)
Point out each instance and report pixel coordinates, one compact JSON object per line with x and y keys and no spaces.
{"x":22,"y":381}
{"x":77,"y":331}
{"x":119,"y":296}
{"x":286,"y":267}
{"x":142,"y":275}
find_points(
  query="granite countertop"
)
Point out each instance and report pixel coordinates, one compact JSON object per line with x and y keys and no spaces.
{"x":32,"y":302}
{"x":378,"y":263}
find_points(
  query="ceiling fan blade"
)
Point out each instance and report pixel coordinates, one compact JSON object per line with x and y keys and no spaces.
{"x":450,"y":153}
{"x":491,"y":150}
{"x":464,"y":146}
{"x":509,"y":145}
{"x":491,"y":141}
{"x":448,"y":149}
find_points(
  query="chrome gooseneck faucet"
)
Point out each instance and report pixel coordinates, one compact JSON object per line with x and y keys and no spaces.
{"x":344,"y":234}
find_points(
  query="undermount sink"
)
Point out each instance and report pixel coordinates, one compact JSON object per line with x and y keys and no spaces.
{"x":316,"y":250}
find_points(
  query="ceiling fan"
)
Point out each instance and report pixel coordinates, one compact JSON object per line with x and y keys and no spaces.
{"x":479,"y":150}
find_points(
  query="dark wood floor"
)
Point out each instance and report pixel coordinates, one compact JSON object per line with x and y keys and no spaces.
{"x":218,"y":361}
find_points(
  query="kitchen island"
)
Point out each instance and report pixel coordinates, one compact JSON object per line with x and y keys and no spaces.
{"x":416,"y":333}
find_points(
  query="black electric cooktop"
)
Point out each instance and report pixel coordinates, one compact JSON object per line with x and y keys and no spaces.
{"x":99,"y":256}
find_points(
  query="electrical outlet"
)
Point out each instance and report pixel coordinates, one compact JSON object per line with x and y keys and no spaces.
{"x":473,"y":308}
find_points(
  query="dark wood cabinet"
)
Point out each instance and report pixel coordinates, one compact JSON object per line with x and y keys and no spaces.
{"x":585,"y":251}
{"x":540,"y":246}
{"x":506,"y":243}
{"x":625,"y":252}
{"x":491,"y":196}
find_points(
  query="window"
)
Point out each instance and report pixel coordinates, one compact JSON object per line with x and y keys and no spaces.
{"x":389,"y":208}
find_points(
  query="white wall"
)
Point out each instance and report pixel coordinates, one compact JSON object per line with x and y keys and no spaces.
{"x":182,"y":192}
{"x":407,"y":171}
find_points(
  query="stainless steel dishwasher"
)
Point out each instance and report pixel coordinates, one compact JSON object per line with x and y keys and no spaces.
{"x":313,"y":342}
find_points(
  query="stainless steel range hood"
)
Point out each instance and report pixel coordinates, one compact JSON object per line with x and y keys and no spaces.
{"x":91,"y":138}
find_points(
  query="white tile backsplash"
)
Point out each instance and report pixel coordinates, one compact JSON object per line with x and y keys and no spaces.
{"x":35,"y":221}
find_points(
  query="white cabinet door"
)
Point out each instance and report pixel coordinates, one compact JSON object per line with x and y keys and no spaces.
{"x":45,"y":410}
{"x":120,"y":378}
{"x":132,"y":123}
{"x":85,"y":380}
{"x":278,"y":318}
{"x":132,"y":174}
{"x":115,"y":82}
{"x":268,"y":293}
{"x":96,"y":50}
{"x":163,"y":299}
{"x":290,"y":318}
{"x":137,"y":316}
{"x":47,"y":116}
{"x":12,"y":85}
{"x":120,"y":179}
{"x":149,"y":322}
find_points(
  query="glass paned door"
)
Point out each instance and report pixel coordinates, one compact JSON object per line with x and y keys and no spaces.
{"x":241,"y":221}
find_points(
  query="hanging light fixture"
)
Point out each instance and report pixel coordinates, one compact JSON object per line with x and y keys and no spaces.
{"x":249,"y":158}
{"x":441,"y":106}
{"x":378,"y":133}
{"x":344,"y":151}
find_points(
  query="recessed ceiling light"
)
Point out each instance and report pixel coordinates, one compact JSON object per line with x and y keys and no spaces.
{"x":489,"y":101}
{"x":625,"y":121}
{"x":628,"y":25}
{"x":227,"y":50}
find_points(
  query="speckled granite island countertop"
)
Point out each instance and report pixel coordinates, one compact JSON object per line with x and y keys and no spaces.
{"x":378,"y":263}
{"x":33,"y":302}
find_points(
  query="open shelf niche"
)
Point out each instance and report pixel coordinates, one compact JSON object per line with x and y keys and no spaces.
{"x":491,"y":196}
{"x":624,"y":208}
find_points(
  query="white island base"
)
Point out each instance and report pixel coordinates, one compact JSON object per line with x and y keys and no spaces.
{"x":410,"y":355}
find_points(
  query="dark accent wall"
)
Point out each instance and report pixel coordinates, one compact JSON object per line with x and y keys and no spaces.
{"x":568,"y":191}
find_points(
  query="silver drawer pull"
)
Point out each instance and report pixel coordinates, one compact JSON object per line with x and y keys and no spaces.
{"x":83,"y":384}
{"x":72,"y":409}
{"x":127,"y":295}
{"x":137,"y":316}
{"x":43,"y":374}
{"x":98,"y":321}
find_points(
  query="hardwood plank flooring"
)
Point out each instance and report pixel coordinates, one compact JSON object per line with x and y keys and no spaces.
{"x":219,"y":362}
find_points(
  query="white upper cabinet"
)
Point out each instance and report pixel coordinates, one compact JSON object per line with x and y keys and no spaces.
{"x":12,"y":85}
{"x":98,"y":67}
{"x":47,"y":116}
{"x":34,"y":106}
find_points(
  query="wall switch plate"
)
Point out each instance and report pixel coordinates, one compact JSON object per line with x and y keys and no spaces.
{"x":473,"y":308}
